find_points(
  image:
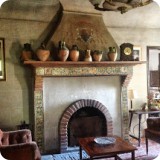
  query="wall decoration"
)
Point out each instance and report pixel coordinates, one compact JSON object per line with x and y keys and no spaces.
{"x":2,"y":60}
{"x":137,"y":53}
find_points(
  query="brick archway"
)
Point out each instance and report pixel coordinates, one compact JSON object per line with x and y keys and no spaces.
{"x":67,"y":114}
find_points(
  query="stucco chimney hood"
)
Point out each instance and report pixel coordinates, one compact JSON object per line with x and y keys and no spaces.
{"x":82,"y":25}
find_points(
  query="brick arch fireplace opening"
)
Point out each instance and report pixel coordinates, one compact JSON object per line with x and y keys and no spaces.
{"x":77,"y":113}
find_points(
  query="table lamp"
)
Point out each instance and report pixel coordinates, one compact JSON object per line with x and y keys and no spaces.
{"x":132,"y":95}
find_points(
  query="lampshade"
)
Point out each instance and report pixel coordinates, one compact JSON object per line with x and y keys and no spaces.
{"x":132,"y":94}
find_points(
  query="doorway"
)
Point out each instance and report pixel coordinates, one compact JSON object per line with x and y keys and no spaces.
{"x":153,"y":70}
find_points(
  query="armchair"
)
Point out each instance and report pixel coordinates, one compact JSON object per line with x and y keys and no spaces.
{"x":153,"y":130}
{"x":18,"y":145}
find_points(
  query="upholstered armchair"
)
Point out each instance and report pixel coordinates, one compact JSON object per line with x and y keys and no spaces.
{"x":18,"y":145}
{"x":153,"y":130}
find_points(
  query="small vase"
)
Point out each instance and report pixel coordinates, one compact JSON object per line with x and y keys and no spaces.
{"x":88,"y":56}
{"x":63,"y":51}
{"x":112,"y":54}
{"x":27,"y":53}
{"x":74,"y":53}
{"x":97,"y":55}
{"x":42,"y":53}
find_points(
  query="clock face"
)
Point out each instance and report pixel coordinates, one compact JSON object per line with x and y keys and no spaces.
{"x":127,"y":51}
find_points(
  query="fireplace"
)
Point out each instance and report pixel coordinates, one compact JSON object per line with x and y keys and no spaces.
{"x":123,"y":70}
{"x":84,"y":118}
{"x":70,"y":25}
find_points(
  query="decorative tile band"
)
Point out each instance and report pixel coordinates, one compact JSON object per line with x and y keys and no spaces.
{"x":83,"y":71}
{"x":39,"y":119}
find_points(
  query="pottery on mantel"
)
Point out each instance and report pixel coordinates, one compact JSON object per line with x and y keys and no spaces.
{"x":43,"y":53}
{"x":27,"y":52}
{"x":63,"y":52}
{"x":88,"y":56}
{"x":74,"y":53}
{"x":112,"y":54}
{"x":97,"y":55}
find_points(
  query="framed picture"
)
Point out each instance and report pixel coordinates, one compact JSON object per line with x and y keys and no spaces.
{"x":2,"y":60}
{"x":136,"y":53}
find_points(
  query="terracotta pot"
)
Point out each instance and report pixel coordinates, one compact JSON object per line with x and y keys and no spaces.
{"x":27,"y":52}
{"x":43,"y":54}
{"x":97,"y":56}
{"x":112,"y":54}
{"x":63,"y":52}
{"x":74,"y":54}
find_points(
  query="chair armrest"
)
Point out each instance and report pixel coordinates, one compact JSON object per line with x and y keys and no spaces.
{"x":153,"y":123}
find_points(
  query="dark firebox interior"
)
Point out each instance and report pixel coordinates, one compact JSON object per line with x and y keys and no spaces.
{"x":86,"y":122}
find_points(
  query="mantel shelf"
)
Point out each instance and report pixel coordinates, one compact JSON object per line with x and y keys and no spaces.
{"x":82,"y":63}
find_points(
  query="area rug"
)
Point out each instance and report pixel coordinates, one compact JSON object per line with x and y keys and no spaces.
{"x":140,"y":153}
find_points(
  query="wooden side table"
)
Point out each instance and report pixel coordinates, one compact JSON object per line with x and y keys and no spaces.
{"x":139,"y":113}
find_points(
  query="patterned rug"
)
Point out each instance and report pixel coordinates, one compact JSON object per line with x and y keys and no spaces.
{"x":140,"y":153}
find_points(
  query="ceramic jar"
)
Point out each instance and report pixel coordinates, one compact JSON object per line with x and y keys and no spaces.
{"x":88,"y":56}
{"x":112,"y":54}
{"x":63,"y":51}
{"x":74,"y":53}
{"x":42,"y":53}
{"x":27,"y":53}
{"x":97,"y":55}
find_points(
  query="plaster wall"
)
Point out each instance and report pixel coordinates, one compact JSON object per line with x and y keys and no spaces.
{"x":32,"y":25}
{"x":59,"y":93}
{"x":16,"y":95}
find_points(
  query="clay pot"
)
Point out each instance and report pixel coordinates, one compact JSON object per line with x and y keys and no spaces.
{"x":27,"y":52}
{"x":63,"y":51}
{"x":74,"y":53}
{"x":112,"y":54}
{"x":42,"y":53}
{"x":88,"y":56}
{"x":97,"y":55}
